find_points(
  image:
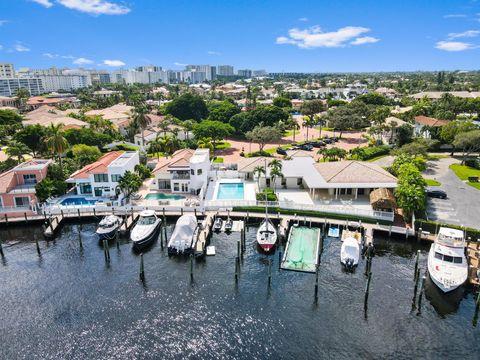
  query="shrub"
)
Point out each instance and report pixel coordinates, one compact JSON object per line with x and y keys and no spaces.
{"x":367,"y":153}
{"x":271,"y":196}
{"x":431,"y":226}
{"x":474,"y":163}
{"x":143,"y":171}
{"x":258,"y":154}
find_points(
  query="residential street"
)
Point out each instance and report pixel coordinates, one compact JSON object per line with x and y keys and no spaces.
{"x":461,"y":206}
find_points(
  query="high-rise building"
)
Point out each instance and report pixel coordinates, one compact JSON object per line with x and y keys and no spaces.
{"x":261,"y":72}
{"x":149,"y":68}
{"x":225,"y":70}
{"x":64,"y":82}
{"x":246,"y":73}
{"x":100,"y":77}
{"x":7,"y":71}
{"x":210,"y":71}
{"x":9,"y":86}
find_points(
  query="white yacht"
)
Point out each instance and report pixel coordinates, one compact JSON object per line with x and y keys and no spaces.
{"x":108,"y":227}
{"x":266,"y":235}
{"x":146,"y":229}
{"x":350,"y":250}
{"x":447,"y":263}
{"x":184,"y":236}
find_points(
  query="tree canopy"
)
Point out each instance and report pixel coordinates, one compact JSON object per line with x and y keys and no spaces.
{"x":215,"y":130}
{"x":263,"y":135}
{"x":187,"y":106}
{"x":262,"y":115}
{"x":222,"y":110}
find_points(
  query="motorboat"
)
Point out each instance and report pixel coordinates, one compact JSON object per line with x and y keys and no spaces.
{"x":334,"y":232}
{"x":146,"y":229}
{"x":447,"y":263}
{"x":184,"y":236}
{"x":217,"y":225}
{"x":108,"y":227}
{"x":350,"y":250}
{"x":266,"y":235}
{"x":228,"y":225}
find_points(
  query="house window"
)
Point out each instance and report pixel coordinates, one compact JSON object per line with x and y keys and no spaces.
{"x":176,"y":187}
{"x":199,"y":172}
{"x":29,"y":179}
{"x":85,"y":189}
{"x":22,"y":201}
{"x":116,"y":177}
{"x":299,"y":181}
{"x":192,"y":172}
{"x":98,"y":191}
{"x":100,"y":177}
{"x":361,"y":191}
{"x":184,"y":187}
{"x":1,"y":202}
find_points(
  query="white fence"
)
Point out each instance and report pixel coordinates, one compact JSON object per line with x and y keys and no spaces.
{"x":332,"y":209}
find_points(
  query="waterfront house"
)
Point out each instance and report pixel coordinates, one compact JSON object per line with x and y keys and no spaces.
{"x":185,"y":172}
{"x":17,"y":187}
{"x":119,"y":115}
{"x":100,"y":179}
{"x":46,"y":115}
{"x":390,"y":132}
{"x":424,"y":126}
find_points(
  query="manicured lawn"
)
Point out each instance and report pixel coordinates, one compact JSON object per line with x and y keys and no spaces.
{"x":218,"y":160}
{"x":433,"y":157}
{"x":475,"y":185}
{"x":376,"y":158}
{"x":463,"y":172}
{"x":223,"y":145}
{"x":290,"y":133}
{"x":432,"y":182}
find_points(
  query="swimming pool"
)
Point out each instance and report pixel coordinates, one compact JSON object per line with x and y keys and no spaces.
{"x":162,"y":196}
{"x":77,"y":201}
{"x":230,"y":191}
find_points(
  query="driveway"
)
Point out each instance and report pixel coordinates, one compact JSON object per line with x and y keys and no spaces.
{"x":463,"y":203}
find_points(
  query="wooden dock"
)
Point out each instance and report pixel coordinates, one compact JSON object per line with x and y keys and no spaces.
{"x":473,"y":258}
{"x":203,"y":234}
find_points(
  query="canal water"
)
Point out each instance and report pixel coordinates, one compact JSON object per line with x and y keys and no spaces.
{"x":68,"y":304}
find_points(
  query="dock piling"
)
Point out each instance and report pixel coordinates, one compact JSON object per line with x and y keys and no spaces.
{"x":279,"y":260}
{"x":415,"y":288}
{"x":25,"y":216}
{"x":416,"y":266}
{"x":419,"y":306}
{"x":367,"y":287}
{"x":238,"y":249}
{"x":6,"y":219}
{"x":236,"y":270}
{"x":37,"y":244}
{"x":106,"y":251}
{"x":79,"y":235}
{"x":191,"y":267}
{"x":142,"y":269}
{"x":269,"y":273}
{"x":1,"y":249}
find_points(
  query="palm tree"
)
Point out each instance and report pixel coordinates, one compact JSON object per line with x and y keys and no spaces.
{"x":141,"y":118}
{"x":320,"y":124}
{"x":164,"y":125}
{"x":22,"y":95}
{"x":275,"y":171}
{"x":17,"y":149}
{"x":155,"y":146}
{"x":259,"y":170}
{"x":205,"y":143}
{"x":56,"y":142}
{"x":308,"y":123}
{"x":187,"y":126}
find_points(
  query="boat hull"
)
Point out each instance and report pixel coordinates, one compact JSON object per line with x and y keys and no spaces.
{"x":147,"y":240}
{"x":446,"y":276}
{"x":107,"y":235}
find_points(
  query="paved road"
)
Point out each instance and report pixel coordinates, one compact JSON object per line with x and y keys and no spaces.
{"x":463,"y":204}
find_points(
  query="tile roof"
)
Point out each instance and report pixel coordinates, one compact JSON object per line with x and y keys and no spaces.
{"x":249,"y":164}
{"x":425,"y":120}
{"x":180,"y":158}
{"x":353,"y":172}
{"x":98,"y":167}
{"x":7,"y":181}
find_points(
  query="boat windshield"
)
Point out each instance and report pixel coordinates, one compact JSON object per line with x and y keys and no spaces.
{"x":147,"y":220}
{"x":448,"y":258}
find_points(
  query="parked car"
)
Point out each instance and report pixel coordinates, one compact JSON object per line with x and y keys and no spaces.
{"x":327,"y":141}
{"x":439,"y":194}
{"x":318,"y":144}
{"x":334,"y":138}
{"x":306,"y":147}
{"x":281,"y":151}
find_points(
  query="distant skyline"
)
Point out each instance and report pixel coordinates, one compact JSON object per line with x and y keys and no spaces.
{"x":279,"y":36}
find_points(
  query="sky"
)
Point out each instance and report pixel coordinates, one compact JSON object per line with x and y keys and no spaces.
{"x":276,"y":35}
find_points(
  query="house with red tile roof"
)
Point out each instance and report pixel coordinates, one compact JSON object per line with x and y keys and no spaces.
{"x":423,"y":125}
{"x":100,"y":179}
{"x":185,"y":172}
{"x":17,"y":187}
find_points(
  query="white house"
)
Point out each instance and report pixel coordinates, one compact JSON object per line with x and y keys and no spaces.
{"x":100,"y":179}
{"x":185,"y":172}
{"x":423,"y":125}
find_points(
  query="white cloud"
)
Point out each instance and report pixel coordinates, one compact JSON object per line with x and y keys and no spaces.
{"x":454,"y":46}
{"x":21,"y":48}
{"x":46,"y":3}
{"x":1,"y":47}
{"x":468,"y":34}
{"x":82,"y":61}
{"x":450,"y":16}
{"x":211,"y":52}
{"x":176,"y":63}
{"x":314,"y":37}
{"x":3,"y":22}
{"x":304,"y":19}
{"x":50,"y":56}
{"x":96,"y":7}
{"x":68,"y":57}
{"x":113,"y":63}
{"x":364,"y":40}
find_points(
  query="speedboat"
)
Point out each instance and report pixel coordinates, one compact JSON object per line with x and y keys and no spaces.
{"x":228,"y":225}
{"x":146,"y":229}
{"x":266,"y":235}
{"x":350,"y":250}
{"x":108,"y":227}
{"x":447,"y":264}
{"x":217,"y":225}
{"x":184,"y":236}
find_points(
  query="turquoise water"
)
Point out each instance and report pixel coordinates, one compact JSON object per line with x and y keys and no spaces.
{"x":230,"y":191}
{"x":77,"y":201}
{"x":161,"y":196}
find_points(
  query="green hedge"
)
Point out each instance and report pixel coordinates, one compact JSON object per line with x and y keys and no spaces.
{"x":431,"y":226}
{"x":366,"y":153}
{"x":319,"y":214}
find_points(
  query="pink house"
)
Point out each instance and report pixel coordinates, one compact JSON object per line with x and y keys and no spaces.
{"x":17,"y":187}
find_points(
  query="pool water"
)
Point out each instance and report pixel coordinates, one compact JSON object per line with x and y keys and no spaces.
{"x":77,"y":201}
{"x":161,"y":196}
{"x":230,"y":191}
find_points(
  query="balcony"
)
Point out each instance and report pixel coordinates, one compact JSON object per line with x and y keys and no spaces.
{"x":23,"y":189}
{"x":181,"y":176}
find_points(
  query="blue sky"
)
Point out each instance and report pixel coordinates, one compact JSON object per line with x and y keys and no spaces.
{"x":310,"y":36}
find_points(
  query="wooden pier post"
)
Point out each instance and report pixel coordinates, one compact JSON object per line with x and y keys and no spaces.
{"x":106,"y":251}
{"x":6,"y":219}
{"x":419,"y":307}
{"x":37,"y":244}
{"x":417,"y":278}
{"x":165,"y":232}
{"x":269,"y":273}
{"x":238,"y":249}
{"x":416,"y":266}
{"x":191,"y":267}
{"x":26,"y":219}
{"x":117,"y":239}
{"x":316,"y":283}
{"x":279,"y":260}
{"x":181,"y":211}
{"x":195,"y":212}
{"x":142,"y":269}
{"x":367,"y":288}
{"x":1,"y":249}
{"x":79,"y":235}
{"x":94,"y":213}
{"x":163,"y":211}
{"x":61,"y":212}
{"x":161,"y":235}
{"x":78,"y":212}
{"x":236,"y":270}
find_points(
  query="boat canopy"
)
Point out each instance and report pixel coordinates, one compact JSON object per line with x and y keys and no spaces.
{"x":451,"y":237}
{"x":182,"y":236}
